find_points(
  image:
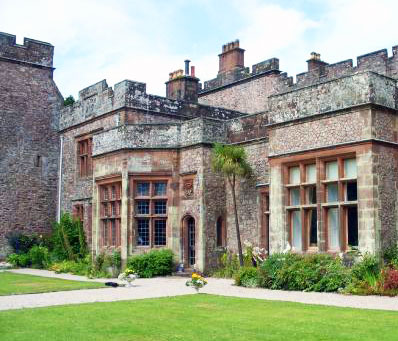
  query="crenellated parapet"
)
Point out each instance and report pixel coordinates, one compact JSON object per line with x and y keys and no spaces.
{"x":100,"y":99}
{"x":32,"y":51}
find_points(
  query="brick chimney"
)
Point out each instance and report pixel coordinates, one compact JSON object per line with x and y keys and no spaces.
{"x":183,"y":87}
{"x":315,"y":64}
{"x":232,"y":57}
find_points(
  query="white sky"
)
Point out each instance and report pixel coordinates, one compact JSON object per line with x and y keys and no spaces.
{"x":145,"y":40}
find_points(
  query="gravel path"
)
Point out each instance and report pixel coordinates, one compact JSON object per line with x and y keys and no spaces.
{"x":174,"y":286}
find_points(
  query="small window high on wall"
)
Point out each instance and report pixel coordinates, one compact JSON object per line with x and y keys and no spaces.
{"x":84,"y":157}
{"x":220,"y":232}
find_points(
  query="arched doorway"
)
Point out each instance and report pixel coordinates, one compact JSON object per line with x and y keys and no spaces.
{"x":189,"y":241}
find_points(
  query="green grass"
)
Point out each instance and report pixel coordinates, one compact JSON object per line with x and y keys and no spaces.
{"x":197,"y":317}
{"x":14,"y":284}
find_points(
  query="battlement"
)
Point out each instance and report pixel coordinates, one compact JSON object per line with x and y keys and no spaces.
{"x":99,"y":99}
{"x":32,"y":51}
{"x":318,"y":71}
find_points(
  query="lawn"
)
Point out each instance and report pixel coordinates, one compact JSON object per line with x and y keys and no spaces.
{"x":14,"y":284}
{"x":197,"y":317}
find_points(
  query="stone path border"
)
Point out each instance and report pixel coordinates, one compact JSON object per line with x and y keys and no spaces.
{"x":174,"y":286}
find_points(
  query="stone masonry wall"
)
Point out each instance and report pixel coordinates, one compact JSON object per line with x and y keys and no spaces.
{"x":321,"y":132}
{"x":385,"y":168}
{"x":334,"y":95}
{"x":29,"y":144}
{"x":247,"y":196}
{"x":250,"y":96}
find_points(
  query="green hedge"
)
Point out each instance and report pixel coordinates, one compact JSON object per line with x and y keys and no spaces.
{"x":153,"y":263}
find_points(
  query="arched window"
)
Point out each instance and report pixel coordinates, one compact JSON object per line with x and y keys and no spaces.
{"x":220,"y":234}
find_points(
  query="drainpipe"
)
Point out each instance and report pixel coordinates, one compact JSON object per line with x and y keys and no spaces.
{"x":61,"y":151}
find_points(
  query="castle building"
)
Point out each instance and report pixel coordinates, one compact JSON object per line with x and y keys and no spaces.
{"x":136,"y":168}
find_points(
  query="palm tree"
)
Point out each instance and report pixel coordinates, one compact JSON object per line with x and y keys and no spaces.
{"x":231,"y":161}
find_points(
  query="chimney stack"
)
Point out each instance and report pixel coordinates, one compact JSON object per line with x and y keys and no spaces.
{"x":187,"y":67}
{"x":232,"y":57}
{"x":315,"y":64}
{"x":183,"y":87}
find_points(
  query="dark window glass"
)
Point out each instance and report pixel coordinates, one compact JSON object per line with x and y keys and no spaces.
{"x":160,"y":232}
{"x":352,"y":192}
{"x":160,"y":206}
{"x":352,"y":224}
{"x":160,"y":188}
{"x":113,"y":192}
{"x":143,"y":189}
{"x":311,"y":195}
{"x":106,"y":233}
{"x":219,"y":232}
{"x":113,"y":232}
{"x":313,"y":227}
{"x":191,"y":241}
{"x":143,"y":232}
{"x":143,"y":207}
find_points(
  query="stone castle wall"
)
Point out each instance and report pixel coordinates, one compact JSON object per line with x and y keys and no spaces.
{"x":29,"y":143}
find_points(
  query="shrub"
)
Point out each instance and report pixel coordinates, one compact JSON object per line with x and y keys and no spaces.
{"x":289,"y":271}
{"x":229,"y":265}
{"x":247,"y":277}
{"x":21,"y":243}
{"x":391,"y":256}
{"x":153,"y":263}
{"x":39,"y":257}
{"x":69,"y":241}
{"x":390,"y":279}
{"x":67,"y":266}
{"x":22,"y":260}
{"x":366,"y":268}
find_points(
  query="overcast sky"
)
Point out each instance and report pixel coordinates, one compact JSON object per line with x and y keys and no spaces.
{"x":145,"y":40}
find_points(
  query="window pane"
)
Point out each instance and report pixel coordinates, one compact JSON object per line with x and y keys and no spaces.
{"x":113,"y":192}
{"x":219,"y":232}
{"x":332,"y":193}
{"x":311,"y":194}
{"x":160,"y":207}
{"x":106,"y":232}
{"x":143,"y":232}
{"x":294,"y":196}
{"x":160,"y":232}
{"x":332,"y":170}
{"x":334,"y":228}
{"x":313,"y":230}
{"x":143,"y":189}
{"x":113,"y":232}
{"x":352,"y":226}
{"x":350,"y":168}
{"x":143,"y":207}
{"x":294,"y":175}
{"x":160,"y":188}
{"x":351,"y":191}
{"x":297,"y":230}
{"x":311,"y":173}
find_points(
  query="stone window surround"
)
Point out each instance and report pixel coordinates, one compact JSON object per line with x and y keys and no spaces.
{"x":152,"y":179}
{"x":106,"y":188}
{"x":264,"y":217}
{"x":84,"y":151}
{"x":322,"y":205}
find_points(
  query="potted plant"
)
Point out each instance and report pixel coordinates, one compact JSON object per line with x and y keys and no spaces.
{"x":128,"y":276}
{"x":196,"y":281}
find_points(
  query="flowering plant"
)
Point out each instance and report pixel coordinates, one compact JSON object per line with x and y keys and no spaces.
{"x":128,"y":276}
{"x":197,"y":281}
